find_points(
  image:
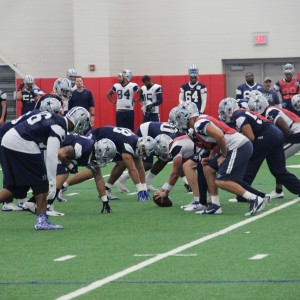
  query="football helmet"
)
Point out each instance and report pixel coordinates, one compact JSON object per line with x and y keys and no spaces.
{"x":71,"y":75}
{"x":105,"y":151}
{"x":62,"y":88}
{"x":184,"y":112}
{"x":288,"y":68}
{"x":258,"y":104}
{"x":193,"y":71}
{"x":163,"y":142}
{"x":171,"y":119}
{"x":29,"y":81}
{"x":127,"y":74}
{"x":254,"y":94}
{"x":296,"y":102}
{"x":80,"y":118}
{"x":145,"y":146}
{"x":226,"y":109}
{"x":51,"y":105}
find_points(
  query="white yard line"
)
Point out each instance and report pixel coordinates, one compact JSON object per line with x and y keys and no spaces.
{"x":96,"y":284}
{"x":181,"y":255}
{"x":66,"y":257}
{"x":293,"y":166}
{"x":72,"y":194}
{"x":258,"y":256}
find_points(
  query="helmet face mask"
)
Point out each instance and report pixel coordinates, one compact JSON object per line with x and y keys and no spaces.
{"x":288,"y":69}
{"x":51,"y":105}
{"x":105,"y":151}
{"x":296,"y":102}
{"x":258,"y":104}
{"x":193,"y":71}
{"x":80,"y":118}
{"x":184,"y":112}
{"x":163,"y":142}
{"x":145,"y":146}
{"x":226,"y":109}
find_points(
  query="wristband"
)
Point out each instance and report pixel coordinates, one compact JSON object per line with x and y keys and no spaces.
{"x":104,"y":198}
{"x":139,"y":187}
{"x":167,"y":187}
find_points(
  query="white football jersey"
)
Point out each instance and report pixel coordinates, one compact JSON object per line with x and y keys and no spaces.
{"x":151,"y":95}
{"x":182,"y":146}
{"x":125,"y":95}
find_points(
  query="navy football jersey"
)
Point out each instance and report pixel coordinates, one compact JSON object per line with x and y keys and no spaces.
{"x":153,"y":129}
{"x":194,"y":93}
{"x":243,"y":90}
{"x":39,"y":127}
{"x":124,"y":139}
{"x":8,"y":125}
{"x":83,"y":146}
{"x":243,"y":117}
{"x":28,"y":102}
{"x":38,"y":104}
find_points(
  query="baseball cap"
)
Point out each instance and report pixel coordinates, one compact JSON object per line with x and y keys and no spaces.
{"x":267,"y":79}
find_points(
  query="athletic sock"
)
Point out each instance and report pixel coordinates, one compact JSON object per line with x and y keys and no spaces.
{"x":215,"y":200}
{"x":278,"y":190}
{"x":249,"y":196}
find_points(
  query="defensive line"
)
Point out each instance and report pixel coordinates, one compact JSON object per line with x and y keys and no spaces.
{"x":96,"y":284}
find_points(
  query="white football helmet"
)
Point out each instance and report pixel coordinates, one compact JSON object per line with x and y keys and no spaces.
{"x":171,"y":119}
{"x":51,"y":105}
{"x":127,"y":74}
{"x":193,"y":71}
{"x":226,"y":109}
{"x":71,"y":75}
{"x":258,"y":104}
{"x":29,"y":81}
{"x":163,"y":142}
{"x":62,"y":88}
{"x":288,"y":68}
{"x":184,"y":112}
{"x":145,"y":146}
{"x":296,"y":102}
{"x":254,"y":94}
{"x":105,"y":151}
{"x":80,"y":118}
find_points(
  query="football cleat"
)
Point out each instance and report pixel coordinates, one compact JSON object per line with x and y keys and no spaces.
{"x":195,"y":206}
{"x":21,"y":202}
{"x":44,"y":224}
{"x":151,"y":188}
{"x":121,"y":186}
{"x":61,"y":196}
{"x":254,"y":205}
{"x":274,"y":195}
{"x":52,"y":212}
{"x":265,"y":203}
{"x":29,"y":206}
{"x":110,"y":195}
{"x":211,"y":209}
{"x":11,"y":207}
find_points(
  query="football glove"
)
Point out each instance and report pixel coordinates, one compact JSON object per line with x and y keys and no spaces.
{"x":143,"y":196}
{"x":106,"y":208}
{"x":73,"y":169}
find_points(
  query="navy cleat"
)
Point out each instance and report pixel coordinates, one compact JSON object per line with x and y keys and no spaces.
{"x":212,"y":209}
{"x":255,"y":205}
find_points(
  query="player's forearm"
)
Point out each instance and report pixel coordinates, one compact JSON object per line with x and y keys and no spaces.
{"x":203,"y":102}
{"x":19,"y":95}
{"x":4,"y":107}
{"x":100,"y":184}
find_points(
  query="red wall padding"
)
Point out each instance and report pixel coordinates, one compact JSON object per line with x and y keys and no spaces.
{"x":105,"y":111}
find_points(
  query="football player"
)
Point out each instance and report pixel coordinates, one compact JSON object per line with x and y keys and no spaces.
{"x":23,"y":164}
{"x":125,"y":91}
{"x":3,"y":107}
{"x":288,"y":87}
{"x":25,"y":94}
{"x":71,"y":75}
{"x":267,"y":140}
{"x":151,"y":97}
{"x":243,"y":90}
{"x":194,"y":91}
{"x":229,"y":153}
{"x":287,"y":122}
{"x":152,"y":129}
{"x":131,"y":149}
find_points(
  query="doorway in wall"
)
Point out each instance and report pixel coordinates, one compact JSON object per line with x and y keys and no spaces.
{"x":235,"y":70}
{"x":8,"y":84}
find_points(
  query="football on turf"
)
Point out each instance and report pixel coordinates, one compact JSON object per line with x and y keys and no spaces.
{"x":162,"y":202}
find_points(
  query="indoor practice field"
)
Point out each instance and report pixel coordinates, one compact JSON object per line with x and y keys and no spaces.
{"x":255,"y":260}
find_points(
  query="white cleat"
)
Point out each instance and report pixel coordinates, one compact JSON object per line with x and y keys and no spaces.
{"x":195,"y":207}
{"x":274,"y":195}
{"x":29,"y":206}
{"x":61,"y":197}
{"x":53,"y":213}
{"x":21,"y":202}
{"x":11,"y":207}
{"x":121,"y":187}
{"x":151,"y":188}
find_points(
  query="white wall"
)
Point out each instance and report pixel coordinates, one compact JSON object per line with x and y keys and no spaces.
{"x":45,"y":37}
{"x":37,"y":36}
